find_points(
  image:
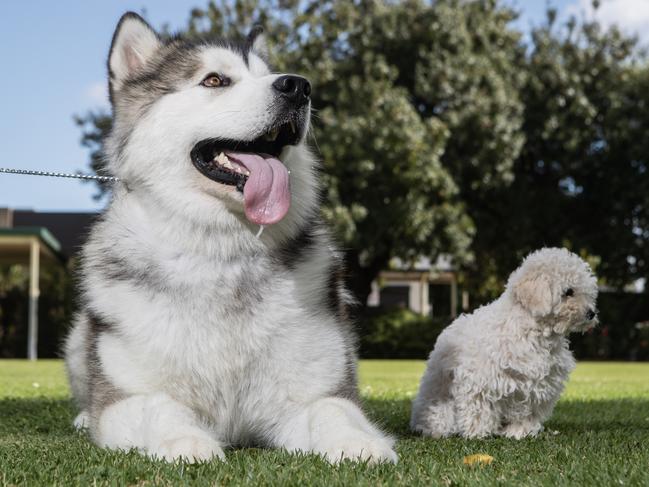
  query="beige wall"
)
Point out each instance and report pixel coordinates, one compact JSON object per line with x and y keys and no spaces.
{"x":417,"y":282}
{"x":6,"y":218}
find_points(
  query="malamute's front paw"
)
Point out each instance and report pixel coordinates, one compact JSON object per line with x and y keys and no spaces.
{"x":82,"y":421}
{"x":190,"y":449}
{"x":360,"y":447}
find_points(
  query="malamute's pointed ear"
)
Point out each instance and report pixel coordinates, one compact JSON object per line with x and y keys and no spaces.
{"x":257,"y":41}
{"x":134,"y":44}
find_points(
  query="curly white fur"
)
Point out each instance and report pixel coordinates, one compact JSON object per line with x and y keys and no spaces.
{"x":501,"y":369}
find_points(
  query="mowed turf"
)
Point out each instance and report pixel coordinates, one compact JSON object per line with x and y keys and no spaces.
{"x":598,"y":435}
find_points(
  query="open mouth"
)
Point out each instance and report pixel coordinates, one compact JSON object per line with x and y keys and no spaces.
{"x":211,"y":156}
{"x":254,"y":168}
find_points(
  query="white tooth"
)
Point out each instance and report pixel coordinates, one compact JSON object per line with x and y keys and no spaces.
{"x":223,"y":160}
{"x":292,"y":126}
{"x":272,"y":135}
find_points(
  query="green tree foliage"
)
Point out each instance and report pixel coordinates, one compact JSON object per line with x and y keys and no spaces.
{"x":411,"y":97}
{"x":95,"y":126}
{"x":580,"y":179}
{"x":441,"y":130}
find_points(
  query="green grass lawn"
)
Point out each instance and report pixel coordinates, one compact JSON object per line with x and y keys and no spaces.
{"x":599,"y":435}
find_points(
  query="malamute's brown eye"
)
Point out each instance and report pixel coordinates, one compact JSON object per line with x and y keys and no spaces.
{"x":569,"y":292}
{"x":213,"y":80}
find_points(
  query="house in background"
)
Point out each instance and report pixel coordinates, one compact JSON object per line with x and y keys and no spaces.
{"x":37,"y":240}
{"x":425,"y":287}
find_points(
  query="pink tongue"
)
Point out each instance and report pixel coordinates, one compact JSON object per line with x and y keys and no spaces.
{"x":266,"y":193}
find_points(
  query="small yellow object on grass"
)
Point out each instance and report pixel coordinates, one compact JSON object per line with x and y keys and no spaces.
{"x":478,"y":459}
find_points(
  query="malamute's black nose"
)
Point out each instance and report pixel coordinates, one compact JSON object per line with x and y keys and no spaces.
{"x":295,"y":89}
{"x":590,"y":314}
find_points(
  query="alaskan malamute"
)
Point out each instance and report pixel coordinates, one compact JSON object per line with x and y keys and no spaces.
{"x":199,"y":330}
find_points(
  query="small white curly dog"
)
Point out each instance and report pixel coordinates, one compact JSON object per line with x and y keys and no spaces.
{"x":501,"y":369}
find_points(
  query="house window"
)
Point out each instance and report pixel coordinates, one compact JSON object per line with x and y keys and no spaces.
{"x":439,"y":297}
{"x":395,"y":297}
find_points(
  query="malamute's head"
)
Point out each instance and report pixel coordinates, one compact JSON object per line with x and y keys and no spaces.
{"x":205,"y":128}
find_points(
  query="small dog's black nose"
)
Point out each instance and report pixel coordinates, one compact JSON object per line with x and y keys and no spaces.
{"x":591,"y":314}
{"x":295,"y":89}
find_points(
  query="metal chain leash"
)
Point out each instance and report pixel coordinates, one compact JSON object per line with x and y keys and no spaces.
{"x":58,"y":174}
{"x":29,"y":172}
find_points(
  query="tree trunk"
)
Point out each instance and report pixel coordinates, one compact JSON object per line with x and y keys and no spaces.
{"x":358,"y":279}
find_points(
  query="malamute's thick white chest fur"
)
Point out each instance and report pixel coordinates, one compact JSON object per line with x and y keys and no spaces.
{"x":195,"y":332}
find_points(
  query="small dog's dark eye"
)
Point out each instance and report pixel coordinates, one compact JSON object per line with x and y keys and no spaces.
{"x":569,"y":292}
{"x":214,"y":80}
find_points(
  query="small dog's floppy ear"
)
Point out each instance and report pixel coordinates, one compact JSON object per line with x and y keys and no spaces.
{"x":134,"y":44}
{"x":534,"y":293}
{"x":257,"y":41}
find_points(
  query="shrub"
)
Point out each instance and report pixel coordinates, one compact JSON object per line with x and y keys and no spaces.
{"x":399,"y":333}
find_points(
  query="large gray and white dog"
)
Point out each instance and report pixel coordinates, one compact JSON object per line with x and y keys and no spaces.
{"x":196,"y":332}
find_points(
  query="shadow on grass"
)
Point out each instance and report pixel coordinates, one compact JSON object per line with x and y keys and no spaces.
{"x":35,"y":416}
{"x":574,"y":416}
{"x":54,"y":416}
{"x":612,"y":415}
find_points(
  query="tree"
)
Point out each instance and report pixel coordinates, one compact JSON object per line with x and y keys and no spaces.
{"x":95,"y":126}
{"x":616,"y":183}
{"x":416,"y":114}
{"x":580,"y":180}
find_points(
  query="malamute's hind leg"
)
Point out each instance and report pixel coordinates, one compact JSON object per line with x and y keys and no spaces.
{"x":156,"y":425}
{"x":337,"y":429}
{"x":76,"y":367}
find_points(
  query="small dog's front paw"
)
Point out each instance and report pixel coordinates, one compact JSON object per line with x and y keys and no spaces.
{"x":518,"y":431}
{"x":361,"y":447}
{"x":189,"y":448}
{"x":479,"y":426}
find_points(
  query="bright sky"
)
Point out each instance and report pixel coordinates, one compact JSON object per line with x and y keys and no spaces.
{"x":53,"y":58}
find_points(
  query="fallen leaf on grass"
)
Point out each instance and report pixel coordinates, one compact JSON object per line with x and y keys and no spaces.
{"x":479,"y":459}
